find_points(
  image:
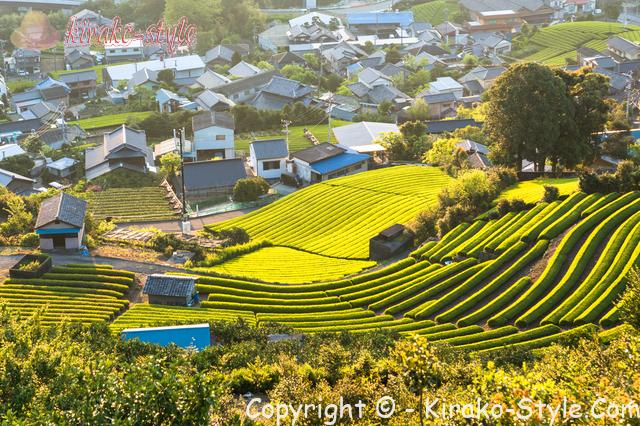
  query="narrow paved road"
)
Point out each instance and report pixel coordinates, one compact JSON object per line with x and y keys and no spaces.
{"x":7,"y":261}
{"x":196,"y":223}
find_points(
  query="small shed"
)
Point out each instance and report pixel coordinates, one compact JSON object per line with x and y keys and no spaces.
{"x":196,"y":336}
{"x":390,"y":242}
{"x":60,"y":222}
{"x":170,"y":290}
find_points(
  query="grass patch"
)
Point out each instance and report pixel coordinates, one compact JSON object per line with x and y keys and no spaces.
{"x":531,"y":191}
{"x":96,"y":68}
{"x":297,"y":140}
{"x":110,"y":120}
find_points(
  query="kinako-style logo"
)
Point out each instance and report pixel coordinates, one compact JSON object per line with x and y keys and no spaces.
{"x":35,"y":32}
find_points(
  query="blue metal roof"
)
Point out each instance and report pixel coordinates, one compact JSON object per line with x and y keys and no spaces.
{"x":338,"y":162}
{"x":403,"y":19}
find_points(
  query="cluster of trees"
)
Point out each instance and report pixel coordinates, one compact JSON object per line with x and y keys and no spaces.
{"x":626,"y":178}
{"x":248,"y":118}
{"x":546,"y":115}
{"x":469,"y":195}
{"x":410,"y":144}
{"x":18,"y":215}
{"x":87,"y":375}
{"x":250,"y":189}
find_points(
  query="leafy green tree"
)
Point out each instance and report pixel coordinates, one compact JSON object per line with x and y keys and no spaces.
{"x":630,"y":300}
{"x":170,"y":164}
{"x":418,"y":111}
{"x":528,"y":113}
{"x":299,"y":73}
{"x":33,"y":143}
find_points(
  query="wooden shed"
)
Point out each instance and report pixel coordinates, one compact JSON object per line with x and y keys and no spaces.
{"x":390,"y":242}
{"x":170,"y":290}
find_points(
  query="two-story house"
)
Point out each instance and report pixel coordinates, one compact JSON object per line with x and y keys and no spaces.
{"x":132,"y":50}
{"x":213,"y":136}
{"x":122,"y":148}
{"x":82,"y":83}
{"x":26,"y":61}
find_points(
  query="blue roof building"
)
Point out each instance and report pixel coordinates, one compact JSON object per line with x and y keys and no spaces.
{"x":327,"y":161}
{"x":197,"y":336}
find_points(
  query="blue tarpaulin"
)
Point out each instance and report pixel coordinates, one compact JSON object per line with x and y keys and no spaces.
{"x":197,"y":336}
{"x":402,"y":19}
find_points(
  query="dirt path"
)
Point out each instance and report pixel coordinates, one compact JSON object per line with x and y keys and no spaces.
{"x":196,"y":223}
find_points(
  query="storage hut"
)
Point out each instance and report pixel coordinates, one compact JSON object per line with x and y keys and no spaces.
{"x":170,"y":290}
{"x":60,"y":222}
{"x":390,"y":242}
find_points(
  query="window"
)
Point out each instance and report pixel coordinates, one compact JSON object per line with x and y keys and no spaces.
{"x":220,"y":137}
{"x":271,"y":165}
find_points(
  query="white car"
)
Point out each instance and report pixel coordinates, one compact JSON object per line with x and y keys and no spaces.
{"x":23,"y":73}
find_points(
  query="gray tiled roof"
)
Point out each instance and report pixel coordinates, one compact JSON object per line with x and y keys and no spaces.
{"x":63,"y":207}
{"x":437,"y":98}
{"x":24,"y":126}
{"x":286,"y":87}
{"x":318,"y":152}
{"x":207,"y":119}
{"x":272,"y":148}
{"x":213,"y":174}
{"x":75,"y":77}
{"x":169,"y":285}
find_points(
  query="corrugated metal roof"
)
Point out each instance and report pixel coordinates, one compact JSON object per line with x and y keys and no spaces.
{"x":170,"y":285}
{"x":271,"y":148}
{"x":213,"y":174}
{"x":338,"y":162}
{"x":372,"y":18}
{"x":63,"y":207}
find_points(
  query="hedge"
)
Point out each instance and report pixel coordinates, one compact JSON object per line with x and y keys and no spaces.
{"x":475,"y":246}
{"x":315,"y":324}
{"x":534,"y":231}
{"x":580,"y":262}
{"x":407,"y":326}
{"x":52,"y":291}
{"x":480,"y":337}
{"x":403,"y":293}
{"x":448,"y":237}
{"x":611,"y":318}
{"x":604,"y":200}
{"x":104,"y":271}
{"x":445,"y":251}
{"x":433,"y":330}
{"x":88,"y":265}
{"x":318,"y":316}
{"x":606,"y":269}
{"x":511,"y":339}
{"x":75,"y":284}
{"x":608,"y":336}
{"x":276,"y":308}
{"x":523,"y":218}
{"x":88,"y":277}
{"x":368,"y":327}
{"x":457,"y":332}
{"x":535,"y":343}
{"x":268,"y":301}
{"x":417,"y":253}
{"x":518,"y":233}
{"x":475,"y":280}
{"x":214,"y":289}
{"x":441,"y":287}
{"x":494,"y":285}
{"x":569,"y":218}
{"x":496,"y":303}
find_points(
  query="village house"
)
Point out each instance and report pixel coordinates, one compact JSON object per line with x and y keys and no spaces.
{"x":280,"y":60}
{"x":244,"y":89}
{"x":64,"y":167}
{"x":60,"y":222}
{"x":43,"y":111}
{"x":624,"y":48}
{"x":441,"y":105}
{"x":268,"y":158}
{"x":326,"y":161}
{"x":172,"y":145}
{"x":10,"y":150}
{"x":364,"y":137}
{"x":204,"y":179}
{"x":13,"y":132}
{"x":218,"y":55}
{"x":122,"y":148}
{"x":82,"y":83}
{"x":381,"y":24}
{"x":274,"y":38}
{"x":170,"y":290}
{"x":169,"y":101}
{"x":27,"y":61}
{"x":444,"y":85}
{"x":243,"y":69}
{"x":130,"y":51}
{"x":16,"y":183}
{"x":211,"y":79}
{"x":480,"y":79}
{"x":211,"y":101}
{"x":213,"y":135}
{"x":53,"y":91}
{"x":279,"y":92}
{"x":76,"y":59}
{"x":186,"y":70}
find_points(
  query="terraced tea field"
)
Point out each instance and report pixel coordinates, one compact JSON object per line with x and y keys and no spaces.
{"x":131,"y":204}
{"x":477,"y":287}
{"x":286,"y":265}
{"x":73,"y":292}
{"x":531,"y":191}
{"x":337,"y":218}
{"x":555,"y":43}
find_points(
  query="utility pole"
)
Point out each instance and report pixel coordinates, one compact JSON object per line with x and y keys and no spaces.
{"x":329,"y":123}
{"x":186,"y":225}
{"x":285,"y":124}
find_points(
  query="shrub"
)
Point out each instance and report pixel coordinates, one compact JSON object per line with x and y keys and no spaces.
{"x":551,"y":193}
{"x":30,"y":240}
{"x":234,"y":236}
{"x":502,"y":176}
{"x":168,"y":251}
{"x":630,"y":300}
{"x":250,"y":189}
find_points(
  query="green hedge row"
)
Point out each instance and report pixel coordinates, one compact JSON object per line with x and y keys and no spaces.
{"x":429,"y":331}
{"x":457,"y":332}
{"x":425,"y":297}
{"x":268,"y":301}
{"x":503,"y":232}
{"x":561,"y":209}
{"x":494,"y":285}
{"x":611,"y":318}
{"x":535,"y":343}
{"x":417,"y":253}
{"x":52,"y":291}
{"x":608,"y":266}
{"x":214,"y":289}
{"x":483,"y":336}
{"x":497,"y":303}
{"x":368,"y":327}
{"x":491,"y":268}
{"x":354,"y":321}
{"x":603,"y":201}
{"x":403,"y":293}
{"x":569,"y":218}
{"x":448,"y":237}
{"x":87,"y":277}
{"x":511,"y":339}
{"x":121,"y":288}
{"x":104,"y":271}
{"x":476,"y":243}
{"x":275,"y":309}
{"x":318,"y":316}
{"x":403,"y":325}
{"x":517,"y":234}
{"x":444,"y":252}
{"x":586,"y":252}
{"x":88,"y":265}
